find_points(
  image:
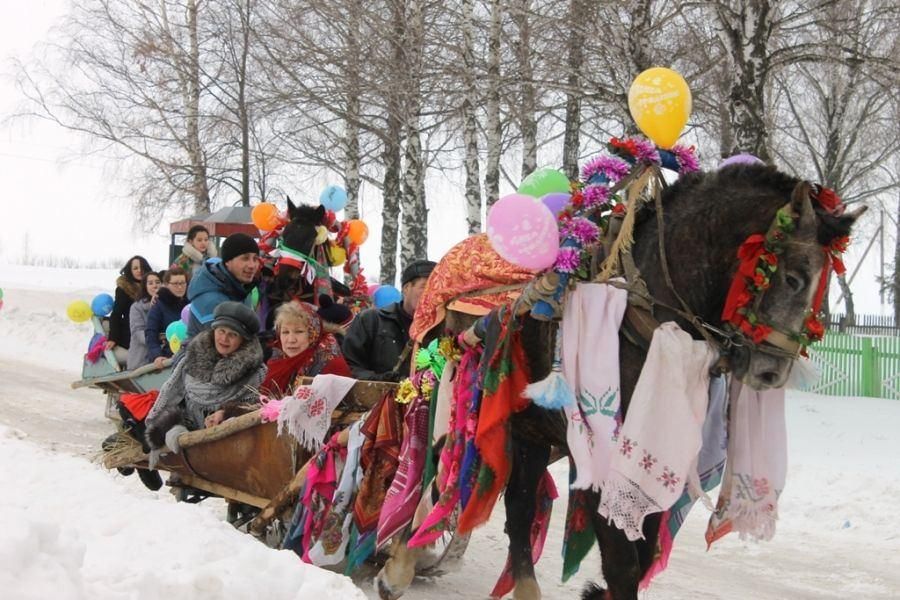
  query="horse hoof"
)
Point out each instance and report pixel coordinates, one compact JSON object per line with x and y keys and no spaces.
{"x":527,"y":589}
{"x":592,"y":591}
{"x":384,"y":589}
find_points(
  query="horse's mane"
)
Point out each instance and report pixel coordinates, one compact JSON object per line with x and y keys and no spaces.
{"x":750,"y":183}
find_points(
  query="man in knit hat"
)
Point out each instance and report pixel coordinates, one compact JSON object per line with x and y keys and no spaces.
{"x":231,"y":277}
{"x":377,"y":344}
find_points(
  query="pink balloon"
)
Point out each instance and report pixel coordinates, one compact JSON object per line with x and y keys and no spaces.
{"x":556,"y":201}
{"x":186,"y":314}
{"x":373,"y":287}
{"x":741,"y":159}
{"x":523,"y":231}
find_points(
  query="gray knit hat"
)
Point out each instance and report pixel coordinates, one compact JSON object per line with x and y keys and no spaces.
{"x":237,"y":317}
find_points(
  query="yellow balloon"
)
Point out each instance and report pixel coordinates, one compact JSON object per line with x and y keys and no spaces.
{"x":79,"y":311}
{"x":174,"y":345}
{"x":321,"y":234}
{"x":338,"y":256}
{"x":660,"y":103}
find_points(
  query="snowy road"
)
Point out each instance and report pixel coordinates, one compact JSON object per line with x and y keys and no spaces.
{"x":839,"y":534}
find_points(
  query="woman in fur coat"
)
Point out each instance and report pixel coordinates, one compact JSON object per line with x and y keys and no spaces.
{"x":222,"y":369}
{"x":196,"y":250}
{"x":137,"y":320}
{"x":128,"y":289}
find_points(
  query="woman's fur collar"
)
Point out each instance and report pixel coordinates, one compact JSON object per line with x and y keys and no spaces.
{"x":132,"y":288}
{"x":205,"y":364}
{"x":195,"y":255}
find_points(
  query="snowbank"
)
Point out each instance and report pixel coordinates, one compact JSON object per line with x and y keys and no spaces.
{"x":34,"y":327}
{"x":72,"y":531}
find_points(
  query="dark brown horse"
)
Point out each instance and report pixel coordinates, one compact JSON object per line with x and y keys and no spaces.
{"x":706,"y":217}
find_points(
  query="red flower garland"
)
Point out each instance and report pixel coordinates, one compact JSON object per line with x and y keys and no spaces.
{"x":758,"y":257}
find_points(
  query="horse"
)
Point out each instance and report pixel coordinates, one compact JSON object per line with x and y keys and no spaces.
{"x":301,"y":262}
{"x":685,"y":249}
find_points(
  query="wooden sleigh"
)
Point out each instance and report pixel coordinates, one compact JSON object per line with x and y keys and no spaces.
{"x":243,"y":460}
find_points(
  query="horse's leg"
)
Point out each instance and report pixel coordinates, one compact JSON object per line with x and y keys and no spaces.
{"x":528,"y":466}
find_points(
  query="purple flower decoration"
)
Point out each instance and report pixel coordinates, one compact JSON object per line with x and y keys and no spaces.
{"x":611,"y":167}
{"x":595,"y":195}
{"x":567,"y":260}
{"x":645,"y":150}
{"x":687,"y":162}
{"x":580,"y":229}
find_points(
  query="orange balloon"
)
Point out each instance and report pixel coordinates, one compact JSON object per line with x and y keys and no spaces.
{"x":357,"y":231}
{"x":265,"y":216}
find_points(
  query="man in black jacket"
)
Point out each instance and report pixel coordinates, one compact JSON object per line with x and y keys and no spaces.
{"x":377,"y":344}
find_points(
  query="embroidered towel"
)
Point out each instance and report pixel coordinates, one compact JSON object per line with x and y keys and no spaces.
{"x":590,"y":364}
{"x":658,"y":444}
{"x":306,"y":414}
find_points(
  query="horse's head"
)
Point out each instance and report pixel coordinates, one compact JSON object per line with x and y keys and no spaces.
{"x":299,"y":235}
{"x":794,"y":288}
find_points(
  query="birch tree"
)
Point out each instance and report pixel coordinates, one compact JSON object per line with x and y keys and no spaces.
{"x":127,"y":75}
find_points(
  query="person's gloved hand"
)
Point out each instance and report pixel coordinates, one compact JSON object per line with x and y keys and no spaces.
{"x":172,"y":438}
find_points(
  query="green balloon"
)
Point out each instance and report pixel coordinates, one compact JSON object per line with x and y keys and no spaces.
{"x":1,"y":293}
{"x":544,"y":181}
{"x":254,"y":298}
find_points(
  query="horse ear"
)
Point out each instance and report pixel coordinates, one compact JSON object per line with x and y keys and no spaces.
{"x":292,"y":209}
{"x":320,"y":214}
{"x":801,"y":204}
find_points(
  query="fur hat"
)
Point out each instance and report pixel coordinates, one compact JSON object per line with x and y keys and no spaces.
{"x":333,"y":312}
{"x":237,"y":244}
{"x":238,"y":317}
{"x":416,"y":269}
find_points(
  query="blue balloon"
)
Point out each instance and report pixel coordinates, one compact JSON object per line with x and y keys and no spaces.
{"x":102,"y":304}
{"x":386,"y":294}
{"x":333,"y":198}
{"x":177,"y":330}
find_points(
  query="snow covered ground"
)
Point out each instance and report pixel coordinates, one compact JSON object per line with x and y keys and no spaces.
{"x":72,"y":530}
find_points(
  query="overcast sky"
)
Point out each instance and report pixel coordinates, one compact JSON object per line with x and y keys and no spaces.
{"x":65,"y":203}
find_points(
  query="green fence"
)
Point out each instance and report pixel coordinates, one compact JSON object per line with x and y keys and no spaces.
{"x":853,"y":365}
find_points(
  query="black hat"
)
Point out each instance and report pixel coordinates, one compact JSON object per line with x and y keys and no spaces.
{"x":416,"y":269}
{"x":237,"y":317}
{"x":237,"y":244}
{"x":332,"y":312}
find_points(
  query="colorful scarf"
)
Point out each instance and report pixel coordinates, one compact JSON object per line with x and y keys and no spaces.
{"x":505,"y":377}
{"x":579,"y":536}
{"x":590,"y":363}
{"x":662,"y":433}
{"x":321,"y":482}
{"x":756,"y":468}
{"x":447,"y":481}
{"x":403,"y":496}
{"x":546,"y":494}
{"x":331,"y":546}
{"x":283,"y":371}
{"x":378,"y":459}
{"x":306,"y":414}
{"x":471,"y":278}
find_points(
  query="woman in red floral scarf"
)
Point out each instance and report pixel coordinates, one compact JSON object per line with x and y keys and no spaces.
{"x":305,"y":348}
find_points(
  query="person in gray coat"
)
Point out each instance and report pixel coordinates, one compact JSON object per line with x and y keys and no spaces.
{"x":137,"y":321}
{"x":221,"y":370}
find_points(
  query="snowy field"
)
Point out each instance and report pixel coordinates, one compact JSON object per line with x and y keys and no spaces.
{"x":73,"y":530}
